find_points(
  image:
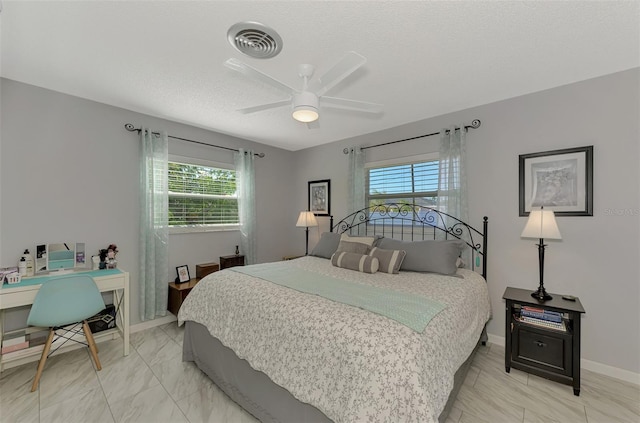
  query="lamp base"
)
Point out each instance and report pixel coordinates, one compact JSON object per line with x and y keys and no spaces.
{"x":541,"y":295}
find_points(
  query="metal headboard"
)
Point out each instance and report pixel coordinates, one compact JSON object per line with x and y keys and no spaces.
{"x":416,"y":223}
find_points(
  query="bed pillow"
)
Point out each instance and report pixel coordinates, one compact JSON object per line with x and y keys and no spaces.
{"x":390,"y":260}
{"x":427,"y":256}
{"x":353,"y":261}
{"x":353,"y":247}
{"x":327,"y":245}
{"x":369,"y":240}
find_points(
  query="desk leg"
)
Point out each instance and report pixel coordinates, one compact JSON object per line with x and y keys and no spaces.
{"x":126,"y":314}
{"x":122,"y":319}
{"x":1,"y":336}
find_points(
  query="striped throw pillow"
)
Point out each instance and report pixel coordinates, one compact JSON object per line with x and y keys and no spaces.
{"x":390,"y":260}
{"x":353,"y":261}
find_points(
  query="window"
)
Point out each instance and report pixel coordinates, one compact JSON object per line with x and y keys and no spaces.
{"x":201,"y":197}
{"x":413,"y":183}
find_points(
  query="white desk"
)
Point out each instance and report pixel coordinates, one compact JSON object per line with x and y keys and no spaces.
{"x":21,"y":295}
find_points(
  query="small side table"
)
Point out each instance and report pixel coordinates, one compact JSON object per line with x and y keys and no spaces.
{"x":231,"y":261}
{"x":205,"y":269}
{"x":550,"y":353}
{"x":178,"y":292}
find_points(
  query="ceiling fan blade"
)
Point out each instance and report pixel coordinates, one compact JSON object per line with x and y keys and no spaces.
{"x":345,"y":67}
{"x":254,"y":73}
{"x":265,"y":106}
{"x":343,"y":103}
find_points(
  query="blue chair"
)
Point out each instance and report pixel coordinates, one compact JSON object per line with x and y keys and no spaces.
{"x":63,"y":301}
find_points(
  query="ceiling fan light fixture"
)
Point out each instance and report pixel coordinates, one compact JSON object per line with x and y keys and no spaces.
{"x":305,"y":114}
{"x":305,"y":107}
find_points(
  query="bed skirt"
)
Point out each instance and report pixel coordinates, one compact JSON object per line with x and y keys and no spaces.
{"x":256,"y":392}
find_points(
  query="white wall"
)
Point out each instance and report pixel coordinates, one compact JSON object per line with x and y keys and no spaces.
{"x":69,"y":171}
{"x":597,"y":259}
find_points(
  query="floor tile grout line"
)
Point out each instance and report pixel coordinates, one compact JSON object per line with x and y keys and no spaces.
{"x":104,"y":394}
{"x":160,"y":380}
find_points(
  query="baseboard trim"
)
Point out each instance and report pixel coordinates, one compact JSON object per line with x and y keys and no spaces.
{"x":159,"y":321}
{"x":614,"y":372}
{"x":592,"y":366}
{"x":497,"y":340}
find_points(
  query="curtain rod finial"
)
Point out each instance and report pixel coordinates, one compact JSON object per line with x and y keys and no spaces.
{"x":476,"y":123}
{"x":129,"y":127}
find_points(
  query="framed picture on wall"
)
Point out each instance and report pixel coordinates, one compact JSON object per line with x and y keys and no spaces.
{"x":559,"y":180}
{"x":319,"y":193}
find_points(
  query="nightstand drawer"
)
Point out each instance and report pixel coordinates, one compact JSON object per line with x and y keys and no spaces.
{"x":542,"y":349}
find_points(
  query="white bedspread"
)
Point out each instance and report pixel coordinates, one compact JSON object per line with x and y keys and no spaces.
{"x":351,"y":364}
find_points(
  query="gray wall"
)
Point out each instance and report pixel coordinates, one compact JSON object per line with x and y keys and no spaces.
{"x":597,"y":259}
{"x":69,"y":171}
{"x":81,"y":146}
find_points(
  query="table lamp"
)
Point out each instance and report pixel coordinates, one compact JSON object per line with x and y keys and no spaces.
{"x":541,"y":224}
{"x":306,"y":220}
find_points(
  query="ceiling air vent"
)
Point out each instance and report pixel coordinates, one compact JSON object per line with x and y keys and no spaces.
{"x":255,"y":40}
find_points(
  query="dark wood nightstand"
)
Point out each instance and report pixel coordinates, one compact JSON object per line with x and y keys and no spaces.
{"x":231,"y":261}
{"x":177,"y":293}
{"x":550,"y":353}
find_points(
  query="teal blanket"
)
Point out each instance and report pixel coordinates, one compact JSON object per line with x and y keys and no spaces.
{"x":412,"y":311}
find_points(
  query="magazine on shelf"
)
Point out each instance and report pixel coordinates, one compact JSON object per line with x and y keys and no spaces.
{"x":544,"y":315}
{"x":561,"y":326}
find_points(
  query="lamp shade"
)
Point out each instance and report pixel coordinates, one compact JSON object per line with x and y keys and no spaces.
{"x":306,"y":219}
{"x":541,"y":224}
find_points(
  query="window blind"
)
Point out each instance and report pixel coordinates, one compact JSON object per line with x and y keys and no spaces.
{"x":413,"y":183}
{"x":201,"y":195}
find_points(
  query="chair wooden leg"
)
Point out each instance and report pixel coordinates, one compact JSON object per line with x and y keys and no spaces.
{"x":43,"y":360}
{"x":92,"y":344}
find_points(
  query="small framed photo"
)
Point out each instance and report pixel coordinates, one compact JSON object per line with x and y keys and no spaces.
{"x":559,"y":180}
{"x":319,"y":193}
{"x":183,"y":274}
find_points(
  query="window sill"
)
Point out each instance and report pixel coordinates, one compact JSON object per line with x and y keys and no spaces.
{"x":202,"y":229}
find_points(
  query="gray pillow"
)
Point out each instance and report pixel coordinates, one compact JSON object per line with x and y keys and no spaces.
{"x":327,"y":245}
{"x":427,"y":256}
{"x":372,"y":240}
{"x":390,"y":260}
{"x":353,"y":247}
{"x":369,"y":240}
{"x":353,"y":261}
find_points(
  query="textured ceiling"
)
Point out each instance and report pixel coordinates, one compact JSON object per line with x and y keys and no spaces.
{"x":424,"y":58}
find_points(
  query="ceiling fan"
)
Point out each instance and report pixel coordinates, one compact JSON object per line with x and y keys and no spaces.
{"x":306,"y":102}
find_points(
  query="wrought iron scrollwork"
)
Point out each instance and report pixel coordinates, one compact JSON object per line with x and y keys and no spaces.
{"x":404,"y":220}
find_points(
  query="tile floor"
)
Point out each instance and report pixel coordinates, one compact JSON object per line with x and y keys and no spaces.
{"x":152,"y":384}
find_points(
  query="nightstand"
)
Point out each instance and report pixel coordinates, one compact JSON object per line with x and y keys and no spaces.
{"x":177,"y":293}
{"x":231,"y":261}
{"x":546,"y":352}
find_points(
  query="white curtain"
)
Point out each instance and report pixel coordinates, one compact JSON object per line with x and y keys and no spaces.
{"x":154,"y":225}
{"x":245,"y":185}
{"x":452,"y":179}
{"x":356,"y":180}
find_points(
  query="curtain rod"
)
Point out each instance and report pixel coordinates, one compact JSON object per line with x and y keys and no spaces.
{"x":129,"y":127}
{"x":475,"y":124}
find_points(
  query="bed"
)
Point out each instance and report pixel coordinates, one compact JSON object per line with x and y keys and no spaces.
{"x":287,"y":353}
